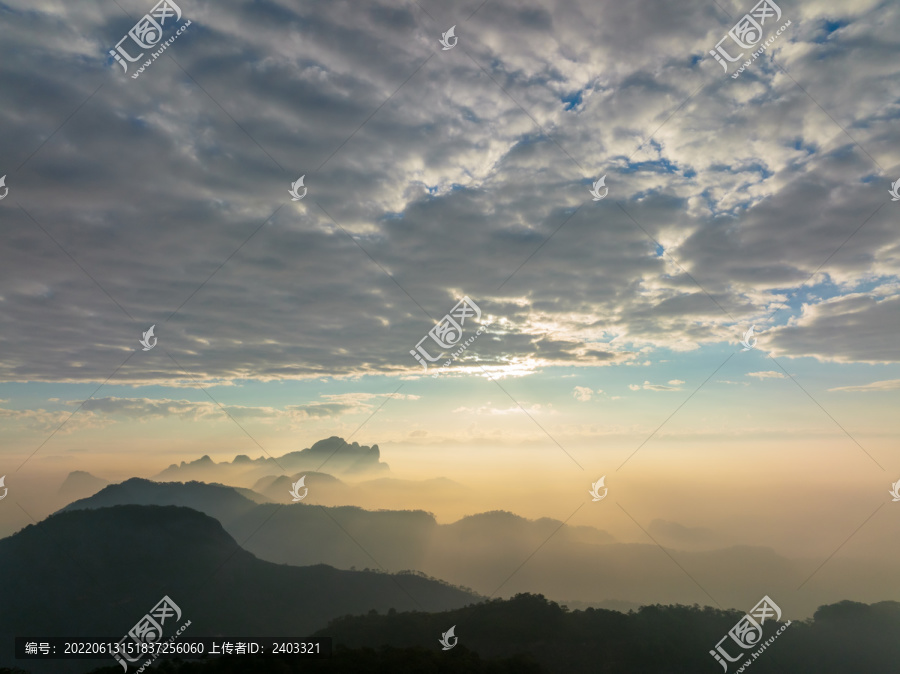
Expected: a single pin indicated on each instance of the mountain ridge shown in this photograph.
(342, 457)
(125, 558)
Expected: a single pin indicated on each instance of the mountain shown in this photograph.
(80, 484)
(384, 493)
(609, 604)
(843, 637)
(511, 526)
(335, 454)
(471, 550)
(530, 635)
(97, 572)
(223, 503)
(322, 487)
(343, 536)
(486, 552)
(340, 457)
(203, 468)
(294, 533)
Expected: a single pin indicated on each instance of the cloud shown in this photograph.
(582, 393)
(647, 386)
(768, 374)
(857, 327)
(149, 408)
(884, 385)
(46, 421)
(428, 180)
(145, 409)
(490, 410)
(345, 403)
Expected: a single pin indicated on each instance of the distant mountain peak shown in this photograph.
(81, 484)
(340, 455)
(331, 455)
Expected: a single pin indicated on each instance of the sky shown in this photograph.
(612, 328)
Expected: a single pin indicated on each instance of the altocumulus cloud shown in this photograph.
(47, 421)
(156, 408)
(150, 186)
(673, 385)
(767, 374)
(886, 385)
(582, 394)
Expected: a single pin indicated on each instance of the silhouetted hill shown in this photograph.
(341, 536)
(842, 638)
(96, 572)
(398, 539)
(80, 484)
(574, 562)
(216, 500)
(528, 634)
(296, 533)
(510, 526)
